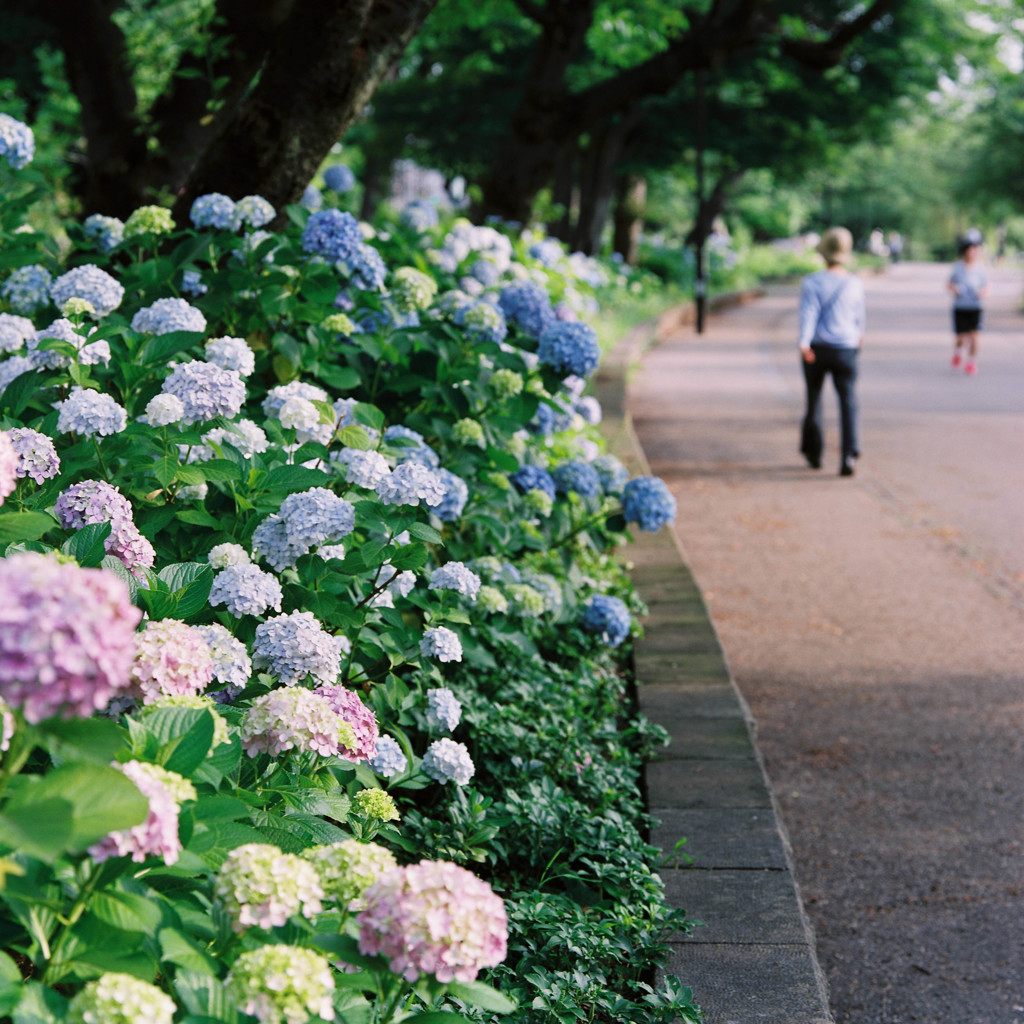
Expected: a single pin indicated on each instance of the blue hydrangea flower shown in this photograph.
(246, 590)
(312, 198)
(339, 177)
(589, 408)
(205, 390)
(108, 232)
(14, 332)
(37, 457)
(362, 468)
(254, 211)
(608, 617)
(534, 478)
(192, 283)
(89, 412)
(611, 472)
(90, 283)
(448, 761)
(444, 710)
(527, 305)
(12, 368)
(570, 348)
(483, 322)
(332, 234)
(293, 646)
(455, 497)
(456, 576)
(89, 353)
(278, 395)
(317, 516)
(215, 210)
(580, 477)
(486, 272)
(17, 143)
(167, 315)
(367, 268)
(416, 451)
(647, 501)
(27, 289)
(441, 643)
(543, 422)
(419, 216)
(546, 252)
(411, 483)
(271, 542)
(389, 759)
(231, 354)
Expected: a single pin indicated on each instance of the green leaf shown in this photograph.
(184, 737)
(39, 1004)
(198, 517)
(131, 912)
(425, 532)
(113, 564)
(341, 378)
(189, 584)
(369, 416)
(41, 830)
(479, 994)
(165, 469)
(412, 556)
(354, 437)
(87, 545)
(161, 348)
(81, 739)
(221, 469)
(436, 1017)
(294, 478)
(10, 984)
(18, 527)
(212, 809)
(17, 394)
(181, 950)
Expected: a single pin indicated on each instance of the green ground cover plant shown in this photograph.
(312, 690)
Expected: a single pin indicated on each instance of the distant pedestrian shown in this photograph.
(895, 246)
(831, 331)
(969, 284)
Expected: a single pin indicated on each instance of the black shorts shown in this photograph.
(966, 320)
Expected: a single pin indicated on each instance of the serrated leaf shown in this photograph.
(294, 478)
(128, 911)
(87, 545)
(88, 739)
(159, 349)
(19, 527)
(476, 993)
(412, 556)
(425, 532)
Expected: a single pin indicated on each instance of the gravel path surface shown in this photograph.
(875, 625)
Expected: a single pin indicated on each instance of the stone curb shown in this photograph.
(753, 960)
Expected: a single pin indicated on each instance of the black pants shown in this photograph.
(842, 364)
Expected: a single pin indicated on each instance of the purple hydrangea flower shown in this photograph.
(647, 501)
(367, 268)
(390, 759)
(243, 434)
(14, 332)
(527, 305)
(293, 646)
(215, 210)
(312, 198)
(419, 216)
(167, 315)
(362, 468)
(17, 143)
(611, 472)
(205, 390)
(192, 283)
(37, 457)
(441, 643)
(67, 636)
(534, 478)
(277, 396)
(332, 234)
(578, 477)
(164, 410)
(316, 516)
(89, 413)
(232, 666)
(444, 711)
(9, 464)
(608, 617)
(456, 576)
(448, 761)
(455, 497)
(170, 658)
(294, 718)
(90, 283)
(89, 353)
(570, 348)
(246, 590)
(347, 704)
(27, 289)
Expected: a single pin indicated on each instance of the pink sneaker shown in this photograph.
(970, 369)
(956, 359)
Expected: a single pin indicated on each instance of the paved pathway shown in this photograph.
(875, 625)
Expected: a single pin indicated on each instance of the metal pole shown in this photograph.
(700, 285)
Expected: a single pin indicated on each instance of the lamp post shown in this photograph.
(700, 284)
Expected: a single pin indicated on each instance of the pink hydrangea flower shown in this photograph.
(363, 721)
(295, 718)
(434, 918)
(170, 658)
(9, 462)
(158, 835)
(67, 636)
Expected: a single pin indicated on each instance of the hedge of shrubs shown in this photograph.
(313, 702)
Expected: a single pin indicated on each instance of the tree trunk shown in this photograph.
(629, 214)
(712, 207)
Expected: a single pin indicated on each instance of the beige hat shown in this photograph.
(836, 245)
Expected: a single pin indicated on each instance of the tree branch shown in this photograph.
(534, 11)
(824, 54)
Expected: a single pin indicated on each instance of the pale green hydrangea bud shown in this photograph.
(506, 384)
(339, 322)
(539, 501)
(375, 803)
(491, 600)
(467, 432)
(549, 589)
(348, 868)
(117, 998)
(178, 786)
(283, 982)
(412, 290)
(516, 446)
(149, 220)
(197, 701)
(77, 307)
(259, 885)
(500, 481)
(535, 386)
(525, 600)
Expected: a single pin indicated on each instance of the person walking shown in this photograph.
(832, 317)
(969, 284)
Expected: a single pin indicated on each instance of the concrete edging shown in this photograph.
(753, 961)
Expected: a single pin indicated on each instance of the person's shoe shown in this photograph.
(956, 360)
(813, 463)
(971, 368)
(848, 466)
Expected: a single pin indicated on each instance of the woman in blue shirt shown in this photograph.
(831, 331)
